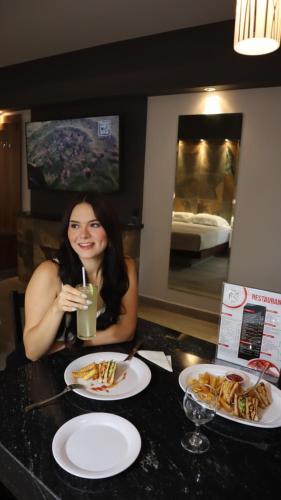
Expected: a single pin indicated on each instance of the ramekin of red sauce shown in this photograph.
(234, 377)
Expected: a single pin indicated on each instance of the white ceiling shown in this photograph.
(32, 29)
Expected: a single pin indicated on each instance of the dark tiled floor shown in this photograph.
(5, 494)
(204, 276)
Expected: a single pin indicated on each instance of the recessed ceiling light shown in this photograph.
(210, 89)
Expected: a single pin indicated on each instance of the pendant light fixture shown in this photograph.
(257, 26)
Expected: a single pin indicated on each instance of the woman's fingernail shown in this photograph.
(83, 295)
(89, 302)
(74, 309)
(84, 307)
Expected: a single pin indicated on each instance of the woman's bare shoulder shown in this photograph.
(48, 266)
(47, 271)
(130, 262)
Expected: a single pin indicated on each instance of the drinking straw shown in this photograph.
(83, 276)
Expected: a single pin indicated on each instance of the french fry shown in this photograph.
(225, 405)
(84, 369)
(213, 380)
(192, 381)
(86, 372)
(206, 396)
(219, 381)
(216, 384)
(204, 378)
(94, 373)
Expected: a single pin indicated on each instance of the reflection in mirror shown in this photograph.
(204, 201)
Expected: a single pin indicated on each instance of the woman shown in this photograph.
(91, 238)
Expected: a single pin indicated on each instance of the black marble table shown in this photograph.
(243, 462)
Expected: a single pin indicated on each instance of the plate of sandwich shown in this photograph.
(259, 408)
(106, 376)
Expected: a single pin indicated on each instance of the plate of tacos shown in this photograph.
(106, 376)
(260, 407)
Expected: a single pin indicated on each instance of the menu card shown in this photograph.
(250, 328)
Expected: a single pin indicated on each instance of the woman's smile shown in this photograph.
(86, 245)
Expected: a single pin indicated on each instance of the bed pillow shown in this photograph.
(209, 220)
(182, 216)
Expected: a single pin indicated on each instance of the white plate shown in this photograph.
(137, 377)
(96, 445)
(271, 416)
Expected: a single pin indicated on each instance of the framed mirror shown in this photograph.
(204, 200)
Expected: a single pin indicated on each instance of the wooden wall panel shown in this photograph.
(10, 188)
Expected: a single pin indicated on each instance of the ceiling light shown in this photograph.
(257, 26)
(210, 89)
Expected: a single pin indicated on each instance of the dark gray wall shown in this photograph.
(132, 111)
(173, 62)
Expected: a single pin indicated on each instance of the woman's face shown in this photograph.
(85, 233)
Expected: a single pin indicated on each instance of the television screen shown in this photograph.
(80, 154)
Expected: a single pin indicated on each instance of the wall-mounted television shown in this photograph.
(79, 154)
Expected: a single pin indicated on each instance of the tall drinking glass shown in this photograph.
(200, 408)
(87, 318)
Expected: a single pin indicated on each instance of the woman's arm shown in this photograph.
(46, 301)
(124, 329)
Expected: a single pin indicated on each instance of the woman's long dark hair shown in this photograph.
(114, 272)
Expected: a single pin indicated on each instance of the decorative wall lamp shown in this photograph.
(257, 26)
(4, 143)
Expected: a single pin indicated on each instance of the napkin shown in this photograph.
(159, 358)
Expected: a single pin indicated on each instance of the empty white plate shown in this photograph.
(96, 445)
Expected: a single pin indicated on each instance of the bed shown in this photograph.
(199, 235)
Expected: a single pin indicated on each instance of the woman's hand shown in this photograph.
(69, 299)
(124, 329)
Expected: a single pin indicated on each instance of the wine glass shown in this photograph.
(200, 408)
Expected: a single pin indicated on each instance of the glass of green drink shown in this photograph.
(87, 318)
